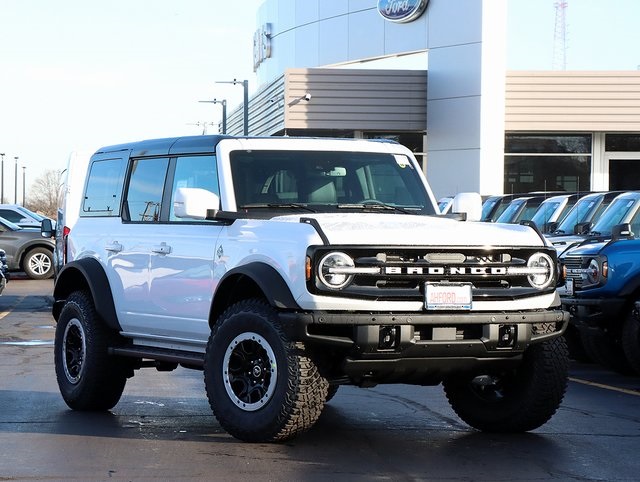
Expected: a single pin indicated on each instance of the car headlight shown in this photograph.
(336, 270)
(596, 272)
(541, 270)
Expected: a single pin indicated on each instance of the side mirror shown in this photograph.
(582, 228)
(193, 202)
(621, 231)
(469, 204)
(549, 227)
(46, 228)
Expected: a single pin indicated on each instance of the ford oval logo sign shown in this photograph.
(402, 11)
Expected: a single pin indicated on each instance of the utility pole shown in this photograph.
(24, 190)
(222, 102)
(2, 178)
(15, 183)
(245, 86)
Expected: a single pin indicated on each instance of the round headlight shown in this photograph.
(335, 270)
(541, 270)
(593, 272)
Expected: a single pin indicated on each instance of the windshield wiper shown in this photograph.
(303, 207)
(559, 231)
(375, 205)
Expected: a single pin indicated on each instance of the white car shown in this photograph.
(286, 267)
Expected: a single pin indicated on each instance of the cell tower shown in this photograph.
(560, 36)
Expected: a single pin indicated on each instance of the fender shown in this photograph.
(266, 278)
(630, 286)
(86, 273)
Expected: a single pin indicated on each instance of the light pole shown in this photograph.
(15, 183)
(2, 178)
(245, 86)
(24, 170)
(223, 102)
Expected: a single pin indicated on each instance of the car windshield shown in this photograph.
(325, 181)
(509, 214)
(580, 213)
(30, 214)
(545, 211)
(620, 210)
(487, 207)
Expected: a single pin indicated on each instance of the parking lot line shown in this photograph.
(606, 387)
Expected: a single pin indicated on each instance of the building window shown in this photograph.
(545, 162)
(622, 143)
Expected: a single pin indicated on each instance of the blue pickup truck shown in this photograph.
(602, 286)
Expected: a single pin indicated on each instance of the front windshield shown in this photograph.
(544, 212)
(509, 214)
(580, 213)
(619, 210)
(325, 181)
(487, 207)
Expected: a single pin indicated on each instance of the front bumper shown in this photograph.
(475, 334)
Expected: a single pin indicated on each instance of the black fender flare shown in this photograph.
(86, 273)
(265, 277)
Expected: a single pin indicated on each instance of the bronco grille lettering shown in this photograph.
(441, 270)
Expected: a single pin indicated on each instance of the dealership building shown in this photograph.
(432, 75)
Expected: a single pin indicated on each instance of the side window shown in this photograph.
(9, 215)
(104, 188)
(194, 171)
(144, 192)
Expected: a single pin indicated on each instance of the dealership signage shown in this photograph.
(261, 45)
(402, 11)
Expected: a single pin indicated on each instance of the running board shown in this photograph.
(160, 354)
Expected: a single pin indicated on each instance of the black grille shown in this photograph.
(403, 272)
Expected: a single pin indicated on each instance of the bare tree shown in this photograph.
(44, 194)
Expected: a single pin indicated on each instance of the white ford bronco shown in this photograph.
(287, 267)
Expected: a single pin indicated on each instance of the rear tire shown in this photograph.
(261, 386)
(515, 401)
(88, 377)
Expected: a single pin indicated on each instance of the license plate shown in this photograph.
(568, 287)
(445, 296)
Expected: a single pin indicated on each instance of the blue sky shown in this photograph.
(81, 74)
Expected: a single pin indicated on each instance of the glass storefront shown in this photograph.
(547, 162)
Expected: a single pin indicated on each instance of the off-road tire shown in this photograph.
(606, 351)
(631, 340)
(520, 400)
(38, 263)
(88, 377)
(261, 386)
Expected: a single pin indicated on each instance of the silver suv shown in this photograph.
(287, 267)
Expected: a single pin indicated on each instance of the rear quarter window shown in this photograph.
(104, 188)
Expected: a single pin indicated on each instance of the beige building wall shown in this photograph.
(569, 101)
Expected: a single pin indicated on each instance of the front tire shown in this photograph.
(88, 377)
(261, 386)
(631, 340)
(38, 263)
(516, 401)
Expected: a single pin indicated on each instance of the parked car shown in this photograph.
(602, 287)
(4, 270)
(552, 210)
(23, 217)
(582, 216)
(521, 209)
(27, 250)
(625, 208)
(494, 206)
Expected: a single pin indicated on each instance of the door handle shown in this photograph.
(162, 248)
(114, 247)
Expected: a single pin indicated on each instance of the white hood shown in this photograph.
(404, 229)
